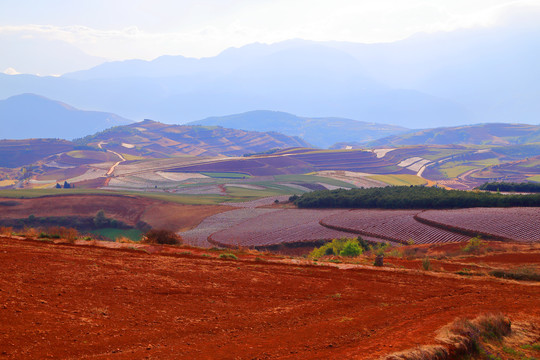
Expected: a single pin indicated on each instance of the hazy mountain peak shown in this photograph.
(34, 116)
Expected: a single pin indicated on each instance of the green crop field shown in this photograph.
(226, 175)
(399, 180)
(453, 172)
(33, 193)
(238, 192)
(313, 179)
(535, 178)
(112, 233)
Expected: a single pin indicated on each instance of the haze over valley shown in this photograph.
(285, 179)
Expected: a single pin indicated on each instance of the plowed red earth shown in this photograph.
(66, 302)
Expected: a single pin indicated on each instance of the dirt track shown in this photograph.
(61, 301)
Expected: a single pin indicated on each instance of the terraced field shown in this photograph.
(282, 226)
(199, 235)
(394, 225)
(520, 224)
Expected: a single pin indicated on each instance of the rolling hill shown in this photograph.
(428, 80)
(321, 132)
(154, 139)
(298, 77)
(15, 153)
(32, 116)
(480, 134)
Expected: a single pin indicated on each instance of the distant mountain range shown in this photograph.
(154, 139)
(480, 134)
(32, 116)
(431, 80)
(320, 132)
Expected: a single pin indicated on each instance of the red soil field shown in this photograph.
(66, 301)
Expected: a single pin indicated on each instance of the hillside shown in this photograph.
(480, 134)
(446, 79)
(32, 116)
(321, 132)
(154, 139)
(300, 77)
(16, 153)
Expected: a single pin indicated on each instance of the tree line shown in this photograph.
(410, 197)
(526, 187)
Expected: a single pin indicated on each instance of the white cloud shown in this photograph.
(204, 28)
(11, 71)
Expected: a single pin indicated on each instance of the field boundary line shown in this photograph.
(360, 232)
(457, 229)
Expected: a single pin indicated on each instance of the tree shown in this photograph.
(100, 220)
(58, 186)
(66, 185)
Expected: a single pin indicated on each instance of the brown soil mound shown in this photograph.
(129, 209)
(62, 301)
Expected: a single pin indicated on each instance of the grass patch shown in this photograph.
(535, 346)
(527, 273)
(313, 179)
(238, 192)
(228, 256)
(455, 171)
(401, 179)
(535, 178)
(130, 157)
(226, 175)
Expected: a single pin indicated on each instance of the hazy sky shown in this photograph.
(146, 29)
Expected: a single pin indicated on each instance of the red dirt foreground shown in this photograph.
(67, 301)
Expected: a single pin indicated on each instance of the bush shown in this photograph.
(60, 232)
(521, 273)
(351, 248)
(426, 264)
(30, 232)
(228, 256)
(165, 237)
(330, 248)
(5, 230)
(474, 246)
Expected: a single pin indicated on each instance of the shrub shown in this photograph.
(474, 246)
(335, 247)
(30, 232)
(379, 261)
(61, 232)
(426, 264)
(5, 230)
(351, 248)
(165, 237)
(519, 273)
(124, 240)
(228, 256)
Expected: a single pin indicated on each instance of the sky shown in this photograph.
(57, 36)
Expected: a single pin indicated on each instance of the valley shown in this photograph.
(270, 180)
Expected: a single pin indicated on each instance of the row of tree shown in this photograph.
(526, 187)
(413, 197)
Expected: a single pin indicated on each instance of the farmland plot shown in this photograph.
(394, 225)
(282, 226)
(520, 224)
(259, 202)
(199, 235)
